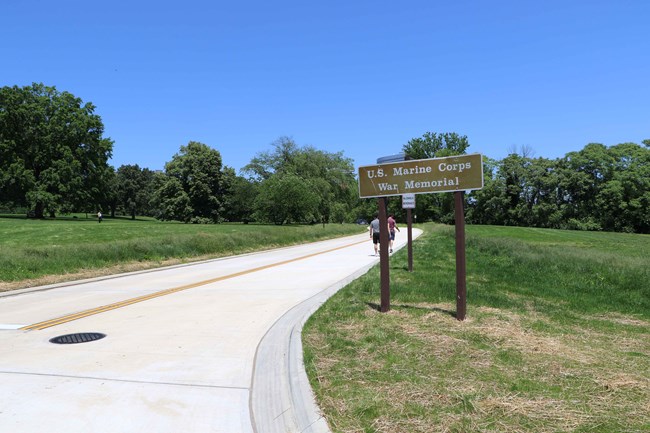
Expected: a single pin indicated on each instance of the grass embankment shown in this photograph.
(557, 338)
(36, 252)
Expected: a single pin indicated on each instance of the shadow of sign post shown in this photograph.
(455, 174)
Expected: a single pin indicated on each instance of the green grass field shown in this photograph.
(42, 251)
(557, 337)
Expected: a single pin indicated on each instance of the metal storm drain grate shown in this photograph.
(83, 337)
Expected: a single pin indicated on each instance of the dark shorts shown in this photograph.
(375, 238)
(392, 235)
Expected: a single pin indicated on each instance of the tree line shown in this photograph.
(54, 160)
(596, 188)
(290, 184)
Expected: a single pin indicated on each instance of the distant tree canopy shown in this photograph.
(239, 197)
(192, 189)
(53, 157)
(436, 145)
(302, 184)
(596, 188)
(436, 207)
(134, 189)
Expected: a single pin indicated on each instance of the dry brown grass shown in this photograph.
(452, 378)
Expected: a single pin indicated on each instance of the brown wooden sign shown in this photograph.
(453, 173)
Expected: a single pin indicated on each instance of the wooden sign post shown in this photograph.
(384, 268)
(461, 273)
(451, 174)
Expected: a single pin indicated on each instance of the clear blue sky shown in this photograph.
(362, 77)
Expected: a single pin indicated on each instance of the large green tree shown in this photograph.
(518, 190)
(606, 188)
(328, 176)
(239, 197)
(436, 145)
(436, 207)
(583, 174)
(171, 201)
(135, 186)
(52, 151)
(108, 197)
(596, 188)
(196, 171)
(489, 205)
(286, 198)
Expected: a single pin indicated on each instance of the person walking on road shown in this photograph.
(374, 233)
(392, 225)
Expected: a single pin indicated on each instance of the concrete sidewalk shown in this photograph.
(208, 347)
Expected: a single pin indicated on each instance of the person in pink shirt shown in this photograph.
(392, 225)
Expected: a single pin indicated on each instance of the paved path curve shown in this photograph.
(207, 347)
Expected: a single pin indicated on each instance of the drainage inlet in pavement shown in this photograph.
(83, 337)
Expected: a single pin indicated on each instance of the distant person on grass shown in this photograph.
(99, 217)
(374, 233)
(392, 225)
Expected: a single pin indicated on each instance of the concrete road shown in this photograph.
(206, 347)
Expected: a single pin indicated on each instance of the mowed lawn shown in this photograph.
(557, 337)
(44, 251)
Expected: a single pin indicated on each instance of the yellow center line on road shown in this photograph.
(97, 310)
